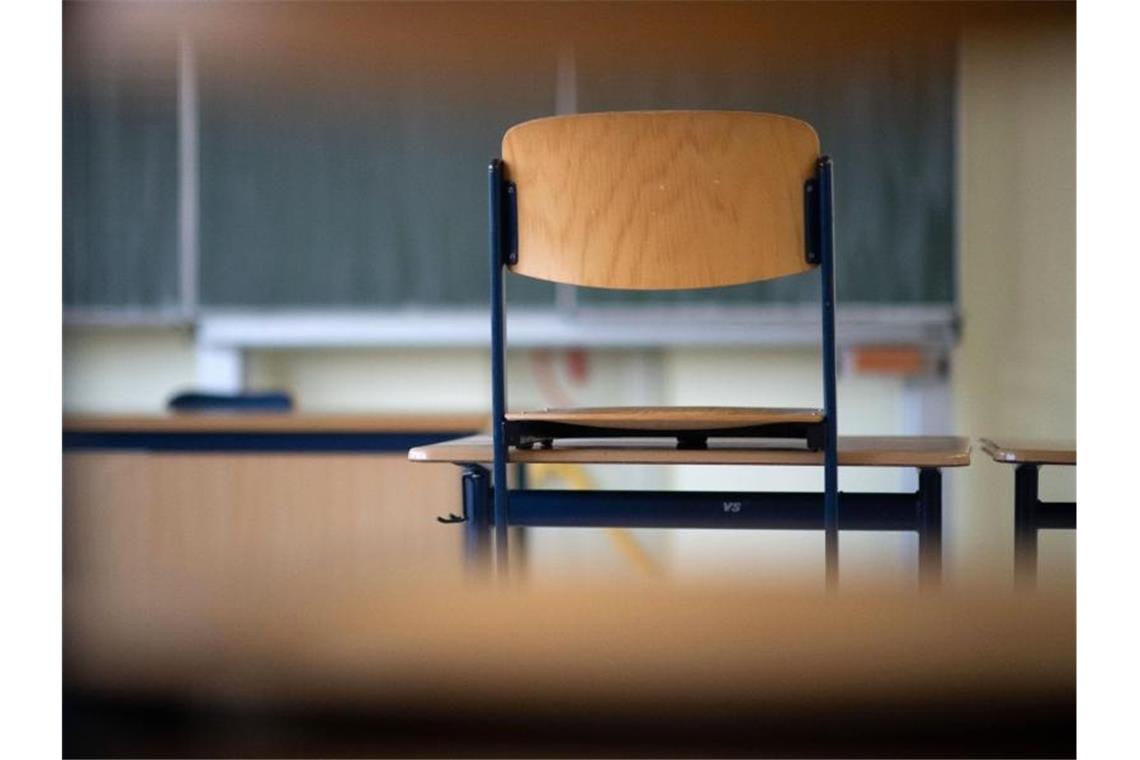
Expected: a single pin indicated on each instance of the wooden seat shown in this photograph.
(670, 417)
(691, 426)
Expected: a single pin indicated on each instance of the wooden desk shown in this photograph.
(440, 669)
(920, 512)
(185, 507)
(1030, 514)
(237, 431)
(854, 451)
(1030, 451)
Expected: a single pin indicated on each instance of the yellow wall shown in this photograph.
(125, 370)
(1015, 368)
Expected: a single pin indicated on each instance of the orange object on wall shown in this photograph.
(904, 361)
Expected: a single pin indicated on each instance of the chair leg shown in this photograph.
(500, 494)
(831, 536)
(519, 536)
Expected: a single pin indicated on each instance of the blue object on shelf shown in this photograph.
(268, 401)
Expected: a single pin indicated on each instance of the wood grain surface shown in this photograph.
(670, 417)
(600, 648)
(854, 451)
(242, 422)
(1029, 451)
(656, 200)
(198, 525)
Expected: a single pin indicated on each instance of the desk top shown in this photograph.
(1027, 451)
(654, 656)
(244, 422)
(854, 451)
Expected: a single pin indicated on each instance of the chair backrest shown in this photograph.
(660, 200)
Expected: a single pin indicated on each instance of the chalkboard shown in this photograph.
(357, 180)
(884, 114)
(120, 181)
(356, 197)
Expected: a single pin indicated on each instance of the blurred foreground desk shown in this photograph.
(453, 670)
(194, 505)
(920, 511)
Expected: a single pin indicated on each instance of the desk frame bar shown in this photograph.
(920, 511)
(709, 509)
(1030, 515)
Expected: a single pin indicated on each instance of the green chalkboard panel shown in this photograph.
(120, 181)
(356, 196)
(342, 148)
(884, 114)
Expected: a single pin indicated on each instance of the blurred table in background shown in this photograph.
(209, 505)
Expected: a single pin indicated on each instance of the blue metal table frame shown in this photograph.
(919, 512)
(1031, 515)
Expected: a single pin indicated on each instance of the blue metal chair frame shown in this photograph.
(522, 507)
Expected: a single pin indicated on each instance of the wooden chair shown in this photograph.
(662, 201)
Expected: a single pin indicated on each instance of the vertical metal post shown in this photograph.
(520, 539)
(831, 437)
(477, 530)
(188, 176)
(929, 529)
(498, 364)
(1025, 527)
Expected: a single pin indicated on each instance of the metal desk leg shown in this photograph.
(477, 531)
(1025, 527)
(929, 529)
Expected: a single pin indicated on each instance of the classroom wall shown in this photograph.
(1015, 368)
(125, 370)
